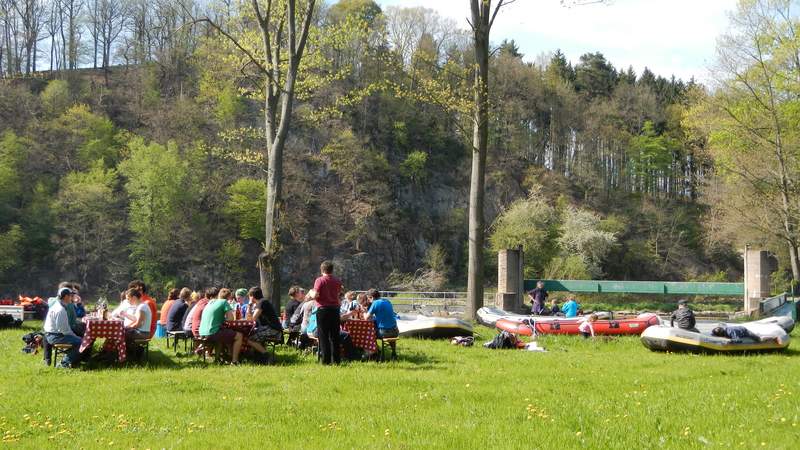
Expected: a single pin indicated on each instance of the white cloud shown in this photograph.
(668, 36)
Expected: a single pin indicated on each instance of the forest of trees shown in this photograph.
(138, 151)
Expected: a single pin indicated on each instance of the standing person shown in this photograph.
(684, 316)
(570, 308)
(327, 289)
(296, 294)
(538, 298)
(58, 331)
(587, 326)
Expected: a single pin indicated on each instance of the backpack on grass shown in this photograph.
(504, 339)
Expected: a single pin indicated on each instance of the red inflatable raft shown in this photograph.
(562, 325)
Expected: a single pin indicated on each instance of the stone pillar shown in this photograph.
(509, 280)
(757, 270)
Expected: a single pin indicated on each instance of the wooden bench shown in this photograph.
(178, 336)
(390, 342)
(59, 349)
(143, 344)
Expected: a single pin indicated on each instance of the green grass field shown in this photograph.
(582, 394)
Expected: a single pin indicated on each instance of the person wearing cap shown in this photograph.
(72, 312)
(684, 316)
(58, 331)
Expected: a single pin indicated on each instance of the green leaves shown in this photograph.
(245, 206)
(160, 195)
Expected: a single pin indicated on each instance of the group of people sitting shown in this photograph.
(313, 316)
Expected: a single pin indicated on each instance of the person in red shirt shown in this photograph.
(197, 312)
(327, 289)
(149, 301)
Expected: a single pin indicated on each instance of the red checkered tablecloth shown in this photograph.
(242, 326)
(363, 334)
(112, 331)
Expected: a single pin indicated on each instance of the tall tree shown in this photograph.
(483, 16)
(284, 27)
(752, 119)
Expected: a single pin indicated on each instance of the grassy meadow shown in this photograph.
(581, 394)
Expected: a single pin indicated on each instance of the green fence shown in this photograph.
(642, 287)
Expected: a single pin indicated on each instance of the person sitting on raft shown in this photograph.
(570, 308)
(587, 326)
(554, 310)
(684, 316)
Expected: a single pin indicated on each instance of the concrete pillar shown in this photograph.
(757, 270)
(509, 280)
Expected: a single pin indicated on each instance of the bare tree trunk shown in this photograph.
(482, 19)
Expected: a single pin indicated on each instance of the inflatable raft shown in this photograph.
(489, 316)
(411, 325)
(771, 337)
(785, 322)
(560, 325)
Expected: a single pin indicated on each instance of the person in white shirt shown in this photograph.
(587, 326)
(58, 331)
(137, 322)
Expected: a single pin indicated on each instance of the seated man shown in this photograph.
(268, 326)
(385, 320)
(212, 318)
(296, 296)
(58, 331)
(177, 311)
(684, 316)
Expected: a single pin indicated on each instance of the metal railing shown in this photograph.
(439, 300)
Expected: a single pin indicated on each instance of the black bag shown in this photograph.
(503, 340)
(8, 321)
(32, 342)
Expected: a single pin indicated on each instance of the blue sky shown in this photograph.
(668, 36)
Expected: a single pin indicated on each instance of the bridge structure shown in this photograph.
(511, 285)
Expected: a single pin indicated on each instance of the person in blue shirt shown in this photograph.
(570, 307)
(382, 313)
(385, 319)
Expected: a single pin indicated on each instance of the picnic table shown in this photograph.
(242, 326)
(363, 334)
(113, 331)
